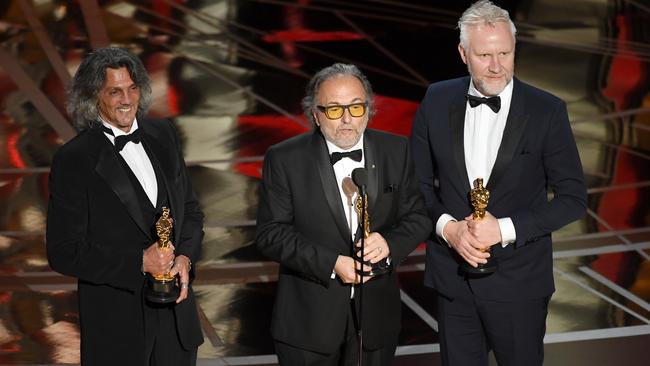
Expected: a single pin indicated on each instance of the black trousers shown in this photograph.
(470, 327)
(163, 347)
(347, 354)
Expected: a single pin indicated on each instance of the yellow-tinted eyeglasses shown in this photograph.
(336, 111)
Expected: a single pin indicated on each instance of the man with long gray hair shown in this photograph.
(493, 274)
(307, 222)
(108, 186)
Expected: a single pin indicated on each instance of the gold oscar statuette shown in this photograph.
(382, 266)
(162, 287)
(479, 197)
(359, 205)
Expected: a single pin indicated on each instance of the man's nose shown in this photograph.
(495, 64)
(346, 117)
(125, 98)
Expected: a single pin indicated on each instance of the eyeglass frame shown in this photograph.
(346, 107)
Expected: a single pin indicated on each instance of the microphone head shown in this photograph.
(349, 189)
(360, 177)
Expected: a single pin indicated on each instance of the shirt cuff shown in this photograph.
(440, 225)
(508, 233)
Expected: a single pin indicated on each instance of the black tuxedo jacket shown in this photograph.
(301, 224)
(537, 151)
(95, 232)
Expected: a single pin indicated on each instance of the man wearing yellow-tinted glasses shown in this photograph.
(307, 222)
(336, 111)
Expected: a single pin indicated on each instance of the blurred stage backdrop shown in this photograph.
(231, 74)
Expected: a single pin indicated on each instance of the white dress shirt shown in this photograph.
(138, 160)
(343, 168)
(482, 137)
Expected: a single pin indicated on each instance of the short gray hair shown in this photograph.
(483, 12)
(338, 69)
(91, 77)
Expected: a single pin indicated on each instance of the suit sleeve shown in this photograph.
(424, 161)
(276, 236)
(69, 249)
(192, 227)
(412, 226)
(561, 163)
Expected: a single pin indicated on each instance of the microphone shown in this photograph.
(349, 189)
(360, 178)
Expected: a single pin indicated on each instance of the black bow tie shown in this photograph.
(354, 155)
(122, 140)
(493, 102)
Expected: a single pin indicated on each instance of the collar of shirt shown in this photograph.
(333, 148)
(505, 95)
(344, 169)
(483, 133)
(117, 131)
(138, 161)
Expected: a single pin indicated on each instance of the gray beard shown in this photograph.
(481, 87)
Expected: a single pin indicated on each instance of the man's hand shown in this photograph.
(486, 230)
(346, 267)
(464, 243)
(376, 248)
(157, 261)
(182, 268)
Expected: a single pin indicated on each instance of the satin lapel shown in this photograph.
(112, 171)
(370, 157)
(158, 156)
(457, 126)
(328, 180)
(515, 127)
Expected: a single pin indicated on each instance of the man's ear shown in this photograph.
(463, 56)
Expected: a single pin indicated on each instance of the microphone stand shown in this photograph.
(351, 189)
(363, 245)
(360, 178)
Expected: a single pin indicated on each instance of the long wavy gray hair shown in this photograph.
(90, 78)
